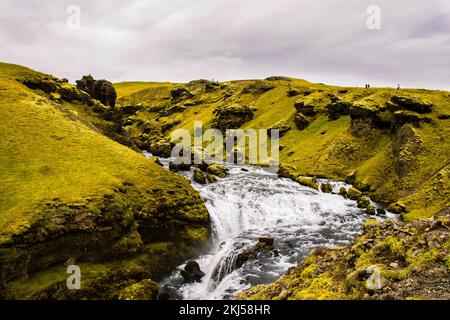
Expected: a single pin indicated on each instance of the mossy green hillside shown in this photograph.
(68, 191)
(397, 152)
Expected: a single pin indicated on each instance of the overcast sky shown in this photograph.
(179, 40)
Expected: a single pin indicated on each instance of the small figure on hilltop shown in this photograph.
(398, 87)
(101, 90)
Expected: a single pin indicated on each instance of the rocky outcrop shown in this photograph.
(161, 148)
(232, 116)
(307, 109)
(191, 272)
(413, 104)
(307, 182)
(398, 207)
(326, 187)
(391, 260)
(354, 194)
(263, 245)
(406, 146)
(301, 122)
(101, 90)
(217, 170)
(181, 93)
(337, 109)
(402, 117)
(199, 177)
(257, 87)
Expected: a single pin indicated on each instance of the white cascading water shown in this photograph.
(250, 203)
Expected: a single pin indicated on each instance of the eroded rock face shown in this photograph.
(263, 246)
(406, 145)
(161, 148)
(413, 104)
(232, 117)
(305, 108)
(101, 90)
(258, 87)
(301, 122)
(337, 109)
(181, 93)
(199, 177)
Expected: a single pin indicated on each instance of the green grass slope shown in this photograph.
(69, 192)
(396, 154)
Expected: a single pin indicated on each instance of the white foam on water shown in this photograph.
(254, 203)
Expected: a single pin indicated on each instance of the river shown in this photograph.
(252, 202)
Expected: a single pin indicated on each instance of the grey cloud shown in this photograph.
(179, 40)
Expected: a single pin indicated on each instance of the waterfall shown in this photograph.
(256, 203)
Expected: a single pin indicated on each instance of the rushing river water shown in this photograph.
(250, 203)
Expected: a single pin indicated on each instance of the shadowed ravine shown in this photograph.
(256, 203)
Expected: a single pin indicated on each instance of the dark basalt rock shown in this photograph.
(277, 78)
(161, 148)
(131, 109)
(305, 109)
(293, 92)
(258, 87)
(191, 272)
(231, 117)
(199, 177)
(337, 109)
(101, 90)
(179, 167)
(326, 187)
(46, 85)
(301, 122)
(181, 93)
(413, 104)
(402, 117)
(264, 244)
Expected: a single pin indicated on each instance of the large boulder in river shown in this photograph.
(217, 170)
(161, 148)
(191, 272)
(354, 194)
(397, 207)
(199, 177)
(101, 90)
(326, 187)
